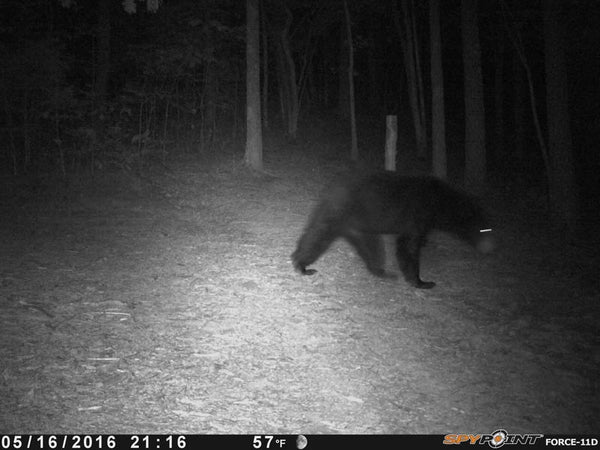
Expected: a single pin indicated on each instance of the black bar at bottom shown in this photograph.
(295, 441)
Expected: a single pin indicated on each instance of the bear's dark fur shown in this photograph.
(387, 203)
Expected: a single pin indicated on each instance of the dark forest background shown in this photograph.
(94, 85)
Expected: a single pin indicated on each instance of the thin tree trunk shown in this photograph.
(515, 37)
(560, 146)
(499, 153)
(265, 71)
(103, 43)
(372, 68)
(354, 149)
(305, 69)
(438, 121)
(290, 77)
(26, 127)
(343, 89)
(518, 110)
(10, 128)
(253, 156)
(474, 108)
(310, 86)
(100, 82)
(422, 129)
(410, 50)
(281, 82)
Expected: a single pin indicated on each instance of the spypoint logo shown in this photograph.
(496, 439)
(499, 438)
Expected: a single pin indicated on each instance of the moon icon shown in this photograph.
(301, 442)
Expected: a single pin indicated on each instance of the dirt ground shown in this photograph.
(167, 303)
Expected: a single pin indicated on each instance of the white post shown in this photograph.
(391, 138)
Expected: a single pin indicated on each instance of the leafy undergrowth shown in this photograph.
(168, 303)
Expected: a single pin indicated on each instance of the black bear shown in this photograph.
(387, 203)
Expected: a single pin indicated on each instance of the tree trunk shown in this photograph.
(422, 128)
(474, 109)
(410, 50)
(499, 153)
(518, 110)
(103, 58)
(373, 68)
(265, 71)
(514, 36)
(253, 156)
(354, 148)
(438, 122)
(303, 83)
(289, 77)
(343, 89)
(560, 146)
(281, 82)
